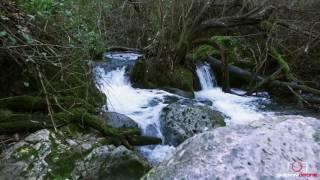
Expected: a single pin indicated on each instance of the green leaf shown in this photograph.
(27, 37)
(13, 41)
(3, 33)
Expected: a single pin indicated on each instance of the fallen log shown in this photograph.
(247, 77)
(264, 81)
(312, 99)
(39, 103)
(122, 48)
(234, 71)
(12, 123)
(144, 140)
(253, 17)
(294, 86)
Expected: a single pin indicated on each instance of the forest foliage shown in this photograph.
(46, 44)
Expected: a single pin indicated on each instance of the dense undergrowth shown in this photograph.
(45, 45)
(263, 37)
(46, 81)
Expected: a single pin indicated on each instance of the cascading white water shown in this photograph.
(238, 109)
(142, 105)
(206, 77)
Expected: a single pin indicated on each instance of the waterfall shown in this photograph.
(144, 106)
(238, 109)
(206, 77)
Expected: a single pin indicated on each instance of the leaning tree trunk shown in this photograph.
(191, 38)
(201, 26)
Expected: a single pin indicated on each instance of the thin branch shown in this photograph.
(253, 17)
(47, 98)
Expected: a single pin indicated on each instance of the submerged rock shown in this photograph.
(179, 92)
(48, 155)
(117, 120)
(184, 119)
(269, 149)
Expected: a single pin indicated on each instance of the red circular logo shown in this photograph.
(296, 166)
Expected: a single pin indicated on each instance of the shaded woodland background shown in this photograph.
(46, 45)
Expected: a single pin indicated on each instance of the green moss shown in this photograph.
(234, 49)
(280, 60)
(182, 78)
(217, 117)
(220, 121)
(38, 103)
(24, 153)
(72, 130)
(103, 141)
(160, 76)
(125, 168)
(61, 161)
(203, 51)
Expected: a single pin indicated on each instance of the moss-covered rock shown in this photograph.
(186, 118)
(161, 76)
(109, 162)
(49, 155)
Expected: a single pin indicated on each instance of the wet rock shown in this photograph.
(29, 159)
(151, 130)
(47, 155)
(113, 60)
(109, 162)
(262, 150)
(186, 118)
(179, 92)
(117, 120)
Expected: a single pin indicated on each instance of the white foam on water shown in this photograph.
(158, 153)
(129, 56)
(142, 105)
(238, 109)
(206, 76)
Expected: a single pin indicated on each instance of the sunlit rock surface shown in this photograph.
(264, 149)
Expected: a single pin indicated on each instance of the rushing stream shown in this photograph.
(238, 109)
(144, 106)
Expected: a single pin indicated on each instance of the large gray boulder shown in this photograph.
(48, 155)
(279, 148)
(184, 119)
